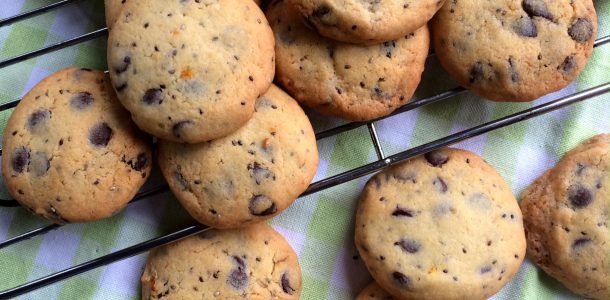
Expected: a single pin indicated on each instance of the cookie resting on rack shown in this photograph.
(514, 50)
(70, 151)
(444, 225)
(190, 71)
(374, 292)
(250, 175)
(250, 263)
(345, 80)
(365, 22)
(566, 214)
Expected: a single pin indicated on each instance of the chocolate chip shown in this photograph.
(123, 66)
(238, 277)
(180, 179)
(436, 158)
(100, 134)
(259, 172)
(440, 185)
(476, 72)
(261, 205)
(524, 26)
(581, 31)
(286, 285)
(581, 242)
(579, 196)
(179, 126)
(140, 162)
(512, 70)
(39, 164)
(81, 100)
(568, 64)
(485, 269)
(153, 96)
(410, 246)
(38, 117)
(402, 212)
(20, 158)
(388, 48)
(320, 11)
(537, 8)
(401, 279)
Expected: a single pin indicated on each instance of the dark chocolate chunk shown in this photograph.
(179, 126)
(485, 269)
(436, 158)
(476, 73)
(20, 158)
(408, 245)
(512, 70)
(581, 242)
(525, 26)
(124, 65)
(153, 96)
(180, 179)
(100, 134)
(401, 279)
(320, 11)
(259, 172)
(579, 196)
(568, 65)
(581, 31)
(81, 100)
(286, 285)
(261, 205)
(537, 8)
(38, 117)
(238, 277)
(440, 185)
(140, 162)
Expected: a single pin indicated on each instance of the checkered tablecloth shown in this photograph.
(320, 226)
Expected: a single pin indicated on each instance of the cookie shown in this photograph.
(250, 263)
(349, 81)
(440, 226)
(250, 175)
(566, 219)
(365, 22)
(112, 8)
(187, 89)
(70, 152)
(514, 50)
(374, 292)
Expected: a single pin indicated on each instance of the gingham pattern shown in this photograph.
(320, 226)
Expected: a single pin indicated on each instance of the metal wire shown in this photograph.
(326, 183)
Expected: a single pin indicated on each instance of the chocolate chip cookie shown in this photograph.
(374, 292)
(514, 50)
(249, 175)
(190, 71)
(70, 151)
(250, 263)
(365, 22)
(444, 225)
(345, 80)
(566, 214)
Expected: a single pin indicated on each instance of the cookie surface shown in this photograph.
(250, 263)
(187, 89)
(368, 22)
(345, 80)
(566, 219)
(112, 9)
(514, 50)
(374, 292)
(249, 175)
(71, 153)
(440, 226)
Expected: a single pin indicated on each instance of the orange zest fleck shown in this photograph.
(186, 73)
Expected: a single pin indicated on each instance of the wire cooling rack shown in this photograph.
(382, 160)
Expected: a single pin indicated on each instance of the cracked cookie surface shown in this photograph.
(250, 175)
(365, 22)
(187, 89)
(444, 225)
(514, 50)
(345, 80)
(71, 153)
(255, 262)
(566, 214)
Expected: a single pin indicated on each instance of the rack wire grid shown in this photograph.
(360, 171)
